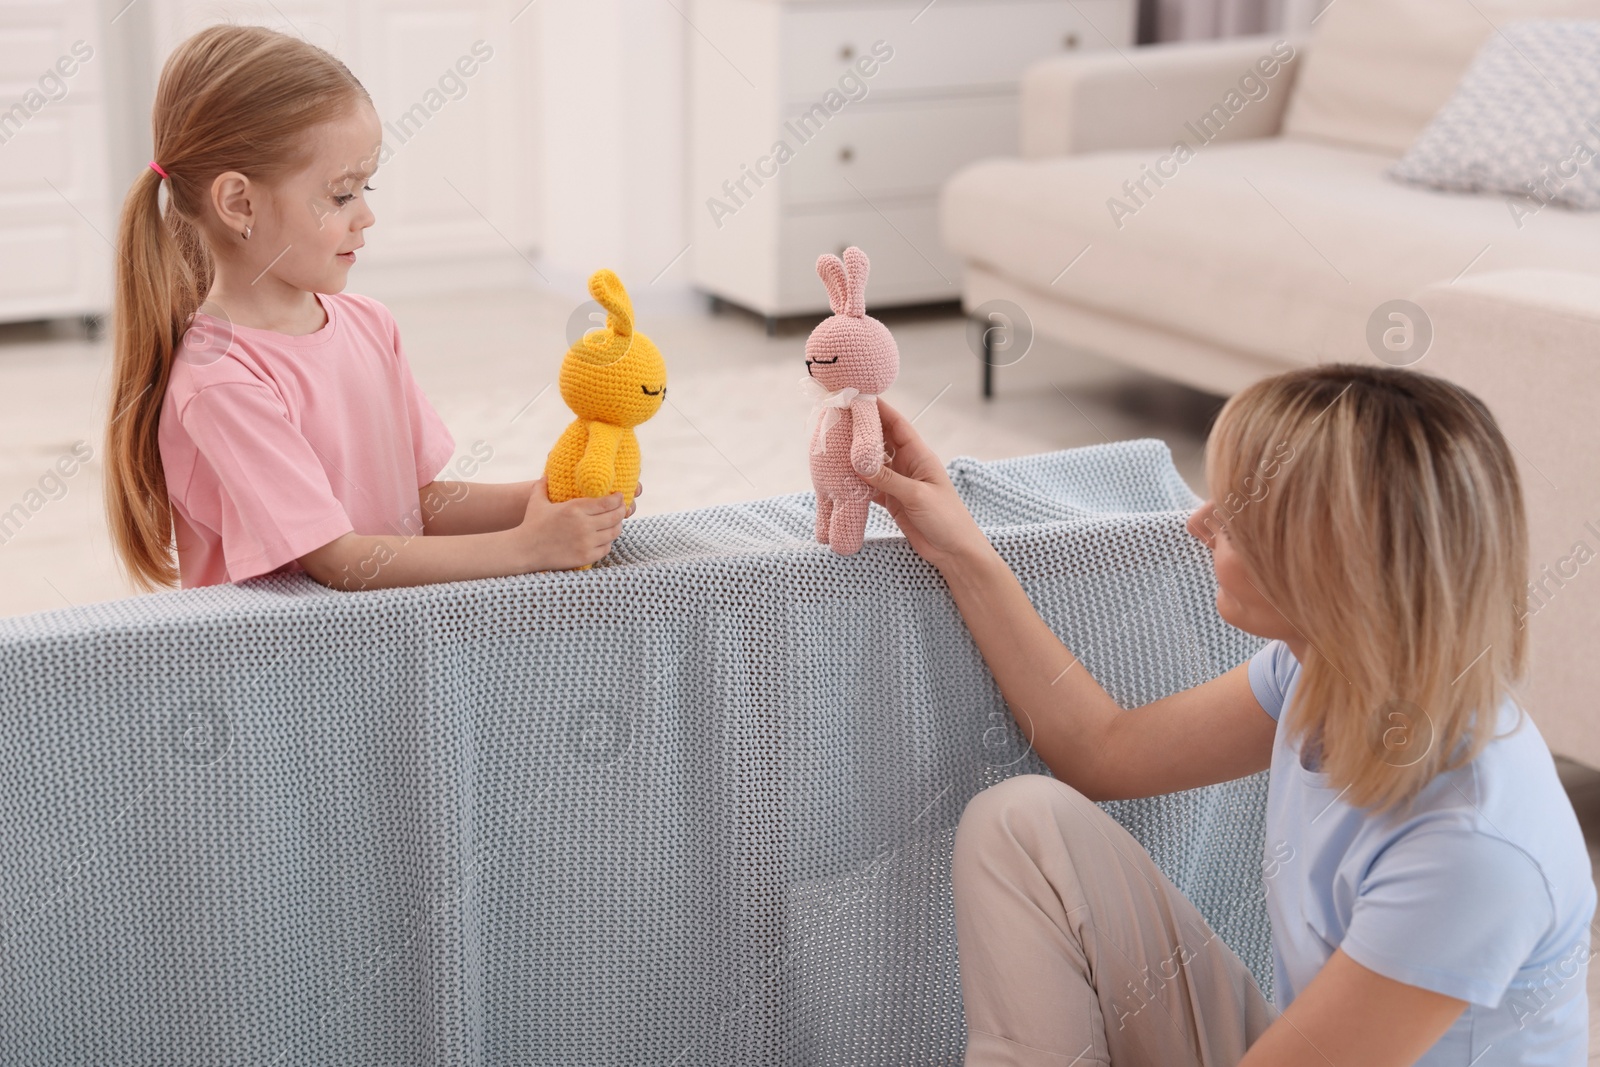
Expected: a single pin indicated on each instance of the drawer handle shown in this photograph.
(1070, 41)
(847, 52)
(846, 154)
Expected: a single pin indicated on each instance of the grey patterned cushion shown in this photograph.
(1525, 120)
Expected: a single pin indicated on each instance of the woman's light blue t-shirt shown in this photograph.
(1481, 890)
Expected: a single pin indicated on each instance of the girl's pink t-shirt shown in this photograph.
(274, 444)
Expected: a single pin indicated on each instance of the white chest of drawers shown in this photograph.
(815, 125)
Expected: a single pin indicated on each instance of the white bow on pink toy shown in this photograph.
(825, 409)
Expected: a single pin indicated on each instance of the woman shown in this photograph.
(1427, 881)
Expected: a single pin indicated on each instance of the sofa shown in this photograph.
(1273, 238)
(693, 806)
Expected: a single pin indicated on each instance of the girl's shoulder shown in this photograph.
(362, 307)
(208, 354)
(365, 321)
(368, 322)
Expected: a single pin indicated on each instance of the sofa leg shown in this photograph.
(988, 366)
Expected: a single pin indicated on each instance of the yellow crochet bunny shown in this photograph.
(613, 379)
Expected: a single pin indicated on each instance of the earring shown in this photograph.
(247, 233)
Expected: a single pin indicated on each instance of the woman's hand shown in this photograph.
(913, 485)
(569, 534)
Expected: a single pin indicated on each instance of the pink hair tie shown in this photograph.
(157, 166)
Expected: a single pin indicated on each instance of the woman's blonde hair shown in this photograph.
(1379, 511)
(231, 97)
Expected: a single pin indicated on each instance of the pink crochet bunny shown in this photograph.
(850, 358)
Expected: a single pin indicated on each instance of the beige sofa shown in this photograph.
(1275, 238)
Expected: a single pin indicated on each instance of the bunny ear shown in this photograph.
(832, 273)
(856, 267)
(607, 290)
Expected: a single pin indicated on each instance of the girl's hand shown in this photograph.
(635, 505)
(570, 534)
(913, 485)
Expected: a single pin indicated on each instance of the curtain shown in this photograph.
(1185, 20)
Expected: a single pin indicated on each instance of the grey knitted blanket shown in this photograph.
(693, 806)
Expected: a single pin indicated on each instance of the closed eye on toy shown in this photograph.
(835, 359)
(658, 392)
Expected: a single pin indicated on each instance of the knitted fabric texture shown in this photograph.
(613, 379)
(848, 350)
(694, 806)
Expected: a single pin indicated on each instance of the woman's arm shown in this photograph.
(1210, 733)
(1065, 714)
(1349, 1014)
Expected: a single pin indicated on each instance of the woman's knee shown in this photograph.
(1024, 792)
(997, 814)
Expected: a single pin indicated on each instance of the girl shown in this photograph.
(281, 428)
(1426, 878)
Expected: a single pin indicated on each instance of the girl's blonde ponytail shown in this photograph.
(158, 287)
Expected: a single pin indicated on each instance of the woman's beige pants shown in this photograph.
(1076, 949)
